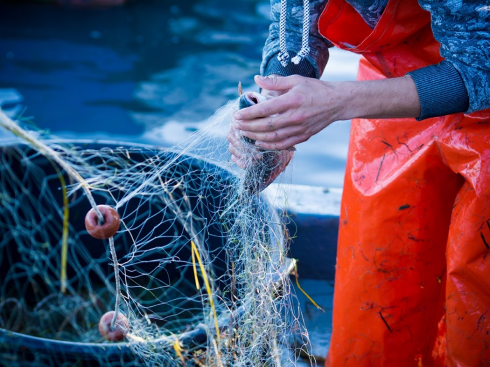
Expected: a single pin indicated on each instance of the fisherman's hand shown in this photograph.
(308, 105)
(243, 153)
(303, 108)
(268, 93)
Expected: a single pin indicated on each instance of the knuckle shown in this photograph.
(302, 98)
(278, 146)
(273, 137)
(296, 117)
(296, 99)
(250, 136)
(302, 116)
(234, 151)
(264, 110)
(270, 125)
(231, 136)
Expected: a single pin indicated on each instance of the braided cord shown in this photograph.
(283, 55)
(305, 48)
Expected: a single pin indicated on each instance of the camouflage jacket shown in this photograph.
(462, 29)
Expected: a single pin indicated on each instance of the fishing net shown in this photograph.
(196, 273)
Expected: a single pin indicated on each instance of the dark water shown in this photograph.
(152, 71)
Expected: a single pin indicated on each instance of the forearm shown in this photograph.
(387, 98)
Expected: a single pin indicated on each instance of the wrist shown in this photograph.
(340, 97)
(386, 98)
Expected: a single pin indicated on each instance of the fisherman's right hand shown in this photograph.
(272, 93)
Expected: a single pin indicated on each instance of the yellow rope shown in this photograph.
(301, 289)
(178, 351)
(194, 267)
(208, 288)
(64, 237)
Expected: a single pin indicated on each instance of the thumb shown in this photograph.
(279, 83)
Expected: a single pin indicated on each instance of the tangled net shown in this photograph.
(196, 274)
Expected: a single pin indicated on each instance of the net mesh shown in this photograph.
(198, 266)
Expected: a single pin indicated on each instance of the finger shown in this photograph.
(278, 83)
(234, 138)
(271, 93)
(274, 136)
(244, 150)
(246, 162)
(270, 107)
(235, 151)
(270, 123)
(240, 163)
(284, 144)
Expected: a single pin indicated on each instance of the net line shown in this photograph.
(202, 262)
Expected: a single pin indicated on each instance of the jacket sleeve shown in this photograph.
(461, 83)
(314, 63)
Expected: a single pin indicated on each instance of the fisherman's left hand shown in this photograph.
(304, 108)
(243, 154)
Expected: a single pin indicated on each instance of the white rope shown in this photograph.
(283, 55)
(118, 281)
(305, 48)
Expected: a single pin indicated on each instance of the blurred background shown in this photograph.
(146, 71)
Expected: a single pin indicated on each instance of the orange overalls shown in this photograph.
(412, 284)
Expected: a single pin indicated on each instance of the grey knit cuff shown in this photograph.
(441, 90)
(304, 68)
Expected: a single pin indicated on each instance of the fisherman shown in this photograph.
(412, 284)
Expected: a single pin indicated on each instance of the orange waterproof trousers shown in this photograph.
(412, 284)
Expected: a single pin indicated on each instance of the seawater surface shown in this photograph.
(149, 72)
